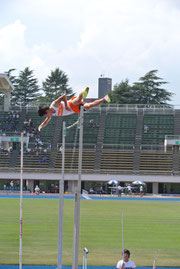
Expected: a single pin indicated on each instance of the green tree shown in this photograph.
(26, 88)
(122, 93)
(149, 90)
(55, 85)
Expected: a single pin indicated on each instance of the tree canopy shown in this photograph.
(26, 88)
(55, 85)
(122, 93)
(148, 90)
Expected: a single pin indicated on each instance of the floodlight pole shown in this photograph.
(61, 201)
(21, 200)
(77, 198)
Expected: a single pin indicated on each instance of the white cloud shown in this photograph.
(121, 38)
(12, 43)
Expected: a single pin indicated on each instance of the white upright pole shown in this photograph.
(122, 239)
(61, 201)
(21, 200)
(154, 263)
(77, 199)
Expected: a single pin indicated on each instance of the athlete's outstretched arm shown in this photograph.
(44, 123)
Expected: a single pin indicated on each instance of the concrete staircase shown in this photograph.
(176, 153)
(138, 141)
(177, 122)
(100, 139)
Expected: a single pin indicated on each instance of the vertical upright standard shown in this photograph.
(21, 200)
(122, 238)
(85, 253)
(78, 197)
(61, 201)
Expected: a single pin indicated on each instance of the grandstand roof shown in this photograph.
(5, 84)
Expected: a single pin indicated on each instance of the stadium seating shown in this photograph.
(120, 128)
(4, 160)
(47, 133)
(90, 132)
(117, 161)
(116, 148)
(155, 127)
(34, 162)
(71, 160)
(156, 163)
(8, 121)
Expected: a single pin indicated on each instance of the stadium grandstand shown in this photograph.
(122, 142)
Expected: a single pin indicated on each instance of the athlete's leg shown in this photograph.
(106, 99)
(81, 96)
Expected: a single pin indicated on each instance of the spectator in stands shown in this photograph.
(141, 191)
(10, 149)
(28, 150)
(129, 189)
(102, 190)
(146, 128)
(91, 191)
(25, 122)
(56, 189)
(119, 190)
(92, 124)
(126, 263)
(62, 107)
(37, 190)
(12, 186)
(44, 159)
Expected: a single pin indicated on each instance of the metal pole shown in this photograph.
(84, 260)
(61, 201)
(21, 200)
(85, 253)
(77, 198)
(154, 263)
(122, 239)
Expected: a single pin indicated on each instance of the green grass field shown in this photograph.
(151, 229)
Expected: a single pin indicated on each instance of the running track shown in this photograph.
(42, 196)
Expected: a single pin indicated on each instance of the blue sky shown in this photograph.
(86, 38)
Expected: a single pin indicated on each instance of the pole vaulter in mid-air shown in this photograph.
(63, 107)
